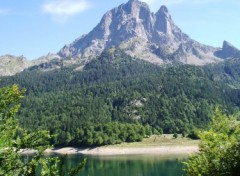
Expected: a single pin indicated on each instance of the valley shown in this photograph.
(136, 84)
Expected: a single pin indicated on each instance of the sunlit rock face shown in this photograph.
(142, 34)
(138, 32)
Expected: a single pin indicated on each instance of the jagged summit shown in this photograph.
(10, 65)
(116, 26)
(163, 9)
(228, 51)
(136, 3)
(140, 33)
(227, 45)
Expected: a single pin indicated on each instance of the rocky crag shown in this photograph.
(137, 31)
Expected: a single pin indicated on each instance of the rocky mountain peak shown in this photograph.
(133, 28)
(164, 21)
(136, 31)
(163, 10)
(129, 20)
(227, 45)
(228, 51)
(136, 3)
(135, 8)
(10, 65)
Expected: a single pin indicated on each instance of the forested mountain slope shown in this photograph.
(115, 93)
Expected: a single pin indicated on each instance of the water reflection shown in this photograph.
(132, 165)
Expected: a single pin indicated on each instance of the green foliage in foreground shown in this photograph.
(13, 138)
(219, 149)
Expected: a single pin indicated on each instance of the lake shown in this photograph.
(130, 165)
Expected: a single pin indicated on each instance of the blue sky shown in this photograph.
(34, 28)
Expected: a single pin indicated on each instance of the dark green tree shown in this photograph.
(219, 149)
(13, 139)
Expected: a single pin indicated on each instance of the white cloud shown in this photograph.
(61, 10)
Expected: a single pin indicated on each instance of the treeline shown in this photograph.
(118, 88)
(102, 134)
(109, 67)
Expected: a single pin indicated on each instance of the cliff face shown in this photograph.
(10, 65)
(143, 34)
(228, 51)
(137, 31)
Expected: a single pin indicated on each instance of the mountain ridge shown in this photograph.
(137, 31)
(140, 33)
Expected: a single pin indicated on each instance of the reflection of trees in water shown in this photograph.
(128, 165)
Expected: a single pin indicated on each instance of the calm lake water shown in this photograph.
(132, 165)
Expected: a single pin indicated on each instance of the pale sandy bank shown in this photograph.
(161, 150)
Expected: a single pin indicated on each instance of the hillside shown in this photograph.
(134, 74)
(115, 89)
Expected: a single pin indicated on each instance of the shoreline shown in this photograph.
(108, 151)
(154, 145)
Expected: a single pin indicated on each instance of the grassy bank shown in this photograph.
(160, 140)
